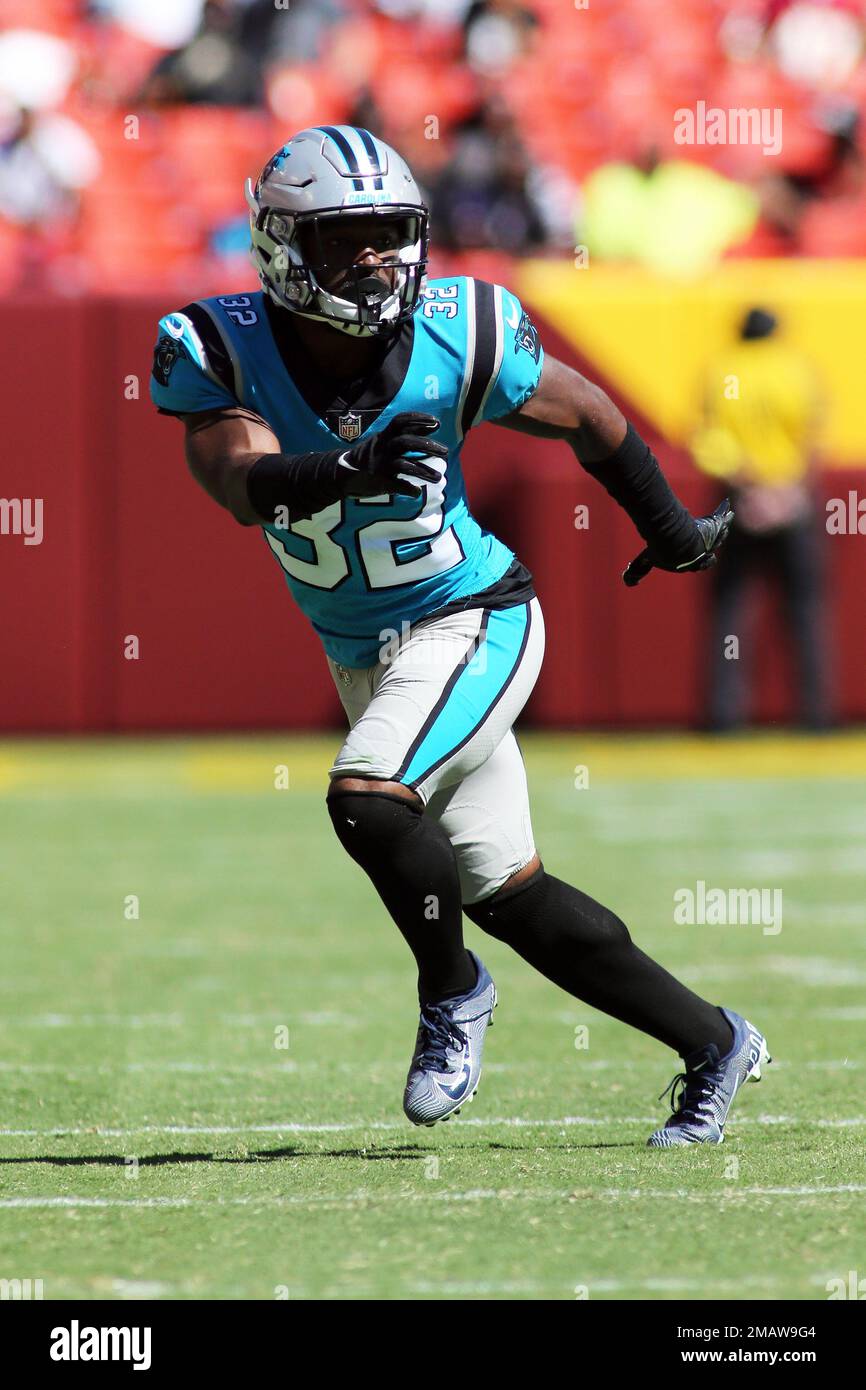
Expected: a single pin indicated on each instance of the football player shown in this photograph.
(329, 408)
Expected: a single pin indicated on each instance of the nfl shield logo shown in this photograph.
(349, 426)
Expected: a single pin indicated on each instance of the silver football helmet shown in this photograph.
(302, 242)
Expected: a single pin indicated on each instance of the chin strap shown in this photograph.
(370, 288)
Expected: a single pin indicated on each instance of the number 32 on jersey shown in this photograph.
(391, 551)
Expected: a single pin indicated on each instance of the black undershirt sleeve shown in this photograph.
(301, 484)
(633, 478)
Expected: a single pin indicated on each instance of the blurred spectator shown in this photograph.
(816, 42)
(674, 216)
(213, 68)
(488, 194)
(295, 32)
(36, 69)
(45, 160)
(439, 12)
(497, 33)
(761, 408)
(835, 172)
(366, 112)
(163, 25)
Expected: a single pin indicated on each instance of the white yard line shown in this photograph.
(227, 1069)
(175, 1020)
(472, 1195)
(142, 1288)
(132, 1068)
(393, 1126)
(87, 1020)
(296, 1127)
(468, 1287)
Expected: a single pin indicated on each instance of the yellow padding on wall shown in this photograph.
(652, 337)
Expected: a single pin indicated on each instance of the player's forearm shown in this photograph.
(221, 448)
(598, 427)
(225, 480)
(610, 449)
(285, 488)
(633, 478)
(260, 486)
(273, 488)
(282, 488)
(567, 406)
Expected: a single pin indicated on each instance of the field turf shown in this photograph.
(158, 1139)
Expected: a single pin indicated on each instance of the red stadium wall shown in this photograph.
(132, 548)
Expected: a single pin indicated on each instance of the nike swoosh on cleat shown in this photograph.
(459, 1088)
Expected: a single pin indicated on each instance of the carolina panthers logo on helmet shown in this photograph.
(527, 337)
(165, 354)
(273, 163)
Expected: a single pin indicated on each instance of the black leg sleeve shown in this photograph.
(410, 862)
(585, 949)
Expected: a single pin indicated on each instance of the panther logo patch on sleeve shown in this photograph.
(527, 337)
(165, 354)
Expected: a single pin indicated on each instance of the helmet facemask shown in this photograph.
(311, 266)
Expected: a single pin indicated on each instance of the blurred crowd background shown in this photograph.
(127, 127)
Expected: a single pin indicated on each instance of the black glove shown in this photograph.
(302, 484)
(379, 463)
(712, 531)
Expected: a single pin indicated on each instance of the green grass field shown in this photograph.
(155, 1141)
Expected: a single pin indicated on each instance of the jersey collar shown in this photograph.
(366, 396)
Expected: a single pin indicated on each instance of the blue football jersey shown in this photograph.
(363, 568)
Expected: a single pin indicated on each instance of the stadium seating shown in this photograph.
(593, 85)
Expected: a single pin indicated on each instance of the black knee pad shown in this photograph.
(368, 823)
(543, 905)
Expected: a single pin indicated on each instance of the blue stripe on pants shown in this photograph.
(478, 686)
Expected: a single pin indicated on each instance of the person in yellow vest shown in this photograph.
(760, 411)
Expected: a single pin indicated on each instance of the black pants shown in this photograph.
(791, 558)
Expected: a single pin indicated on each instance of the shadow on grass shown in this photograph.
(399, 1151)
(410, 1152)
